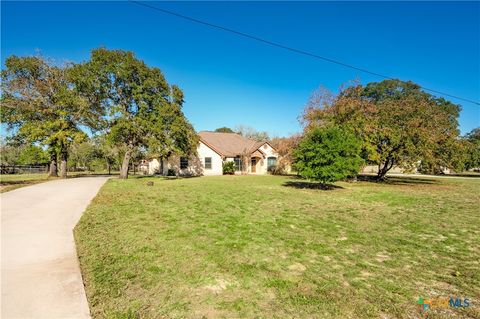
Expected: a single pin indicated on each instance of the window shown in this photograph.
(183, 162)
(238, 163)
(271, 162)
(208, 163)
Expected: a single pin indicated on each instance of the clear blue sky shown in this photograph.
(230, 80)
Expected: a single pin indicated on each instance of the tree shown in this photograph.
(284, 147)
(10, 154)
(107, 151)
(141, 111)
(33, 154)
(40, 106)
(251, 133)
(224, 129)
(398, 123)
(82, 155)
(172, 133)
(472, 149)
(328, 154)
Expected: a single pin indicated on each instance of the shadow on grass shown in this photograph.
(470, 174)
(311, 185)
(397, 180)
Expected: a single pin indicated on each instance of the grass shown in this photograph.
(10, 182)
(13, 181)
(275, 247)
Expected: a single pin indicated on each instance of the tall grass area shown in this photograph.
(275, 247)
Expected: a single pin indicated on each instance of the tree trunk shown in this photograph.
(63, 164)
(125, 164)
(109, 168)
(383, 170)
(53, 165)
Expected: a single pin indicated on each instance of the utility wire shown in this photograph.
(278, 45)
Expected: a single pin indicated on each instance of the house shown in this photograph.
(214, 148)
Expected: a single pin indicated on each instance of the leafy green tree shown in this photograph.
(33, 154)
(171, 133)
(398, 123)
(224, 129)
(10, 154)
(472, 149)
(83, 154)
(108, 152)
(141, 111)
(40, 106)
(328, 154)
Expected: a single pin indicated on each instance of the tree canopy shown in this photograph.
(40, 106)
(472, 149)
(398, 123)
(140, 109)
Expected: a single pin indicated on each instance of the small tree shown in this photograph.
(328, 154)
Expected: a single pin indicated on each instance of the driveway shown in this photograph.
(40, 273)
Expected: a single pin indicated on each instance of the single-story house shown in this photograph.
(214, 148)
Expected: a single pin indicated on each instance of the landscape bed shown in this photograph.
(276, 247)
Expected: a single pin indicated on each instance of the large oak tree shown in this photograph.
(39, 105)
(141, 110)
(399, 123)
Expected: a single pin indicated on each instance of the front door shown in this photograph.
(254, 165)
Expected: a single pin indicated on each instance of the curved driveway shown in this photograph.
(40, 273)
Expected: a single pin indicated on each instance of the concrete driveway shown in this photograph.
(40, 273)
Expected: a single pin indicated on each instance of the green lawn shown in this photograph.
(264, 247)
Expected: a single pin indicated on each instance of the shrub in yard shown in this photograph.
(171, 172)
(278, 169)
(328, 154)
(228, 168)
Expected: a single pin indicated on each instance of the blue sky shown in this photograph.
(229, 80)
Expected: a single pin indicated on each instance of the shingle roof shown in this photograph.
(229, 144)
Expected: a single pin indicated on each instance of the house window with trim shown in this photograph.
(208, 163)
(183, 162)
(271, 163)
(238, 163)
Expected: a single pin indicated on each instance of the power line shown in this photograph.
(278, 45)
